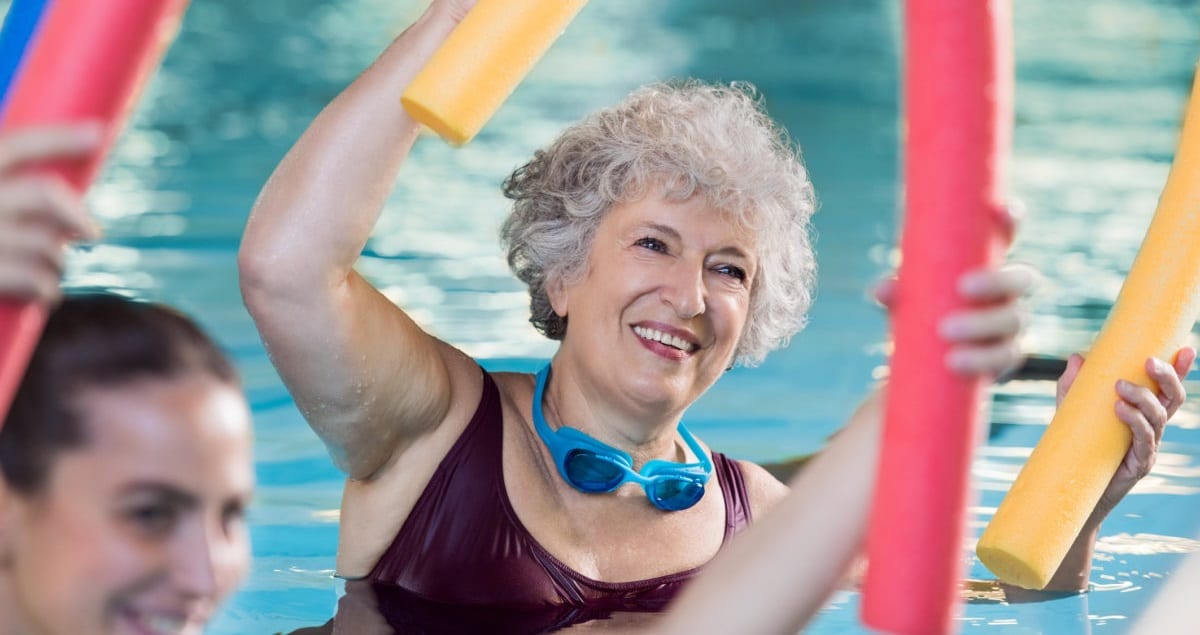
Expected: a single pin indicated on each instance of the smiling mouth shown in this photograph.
(151, 623)
(665, 338)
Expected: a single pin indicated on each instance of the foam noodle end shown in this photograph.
(456, 135)
(1010, 568)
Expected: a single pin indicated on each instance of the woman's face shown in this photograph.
(140, 530)
(664, 299)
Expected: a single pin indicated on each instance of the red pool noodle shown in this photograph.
(86, 63)
(958, 98)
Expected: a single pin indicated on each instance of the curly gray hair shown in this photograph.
(694, 139)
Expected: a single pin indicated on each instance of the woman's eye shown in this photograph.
(736, 273)
(233, 514)
(652, 243)
(155, 520)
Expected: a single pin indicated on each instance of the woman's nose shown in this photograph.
(684, 290)
(207, 560)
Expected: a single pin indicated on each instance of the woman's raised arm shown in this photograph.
(367, 378)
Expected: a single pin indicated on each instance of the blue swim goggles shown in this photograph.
(594, 467)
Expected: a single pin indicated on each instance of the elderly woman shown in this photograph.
(663, 241)
(125, 458)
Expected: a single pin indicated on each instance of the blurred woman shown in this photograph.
(125, 463)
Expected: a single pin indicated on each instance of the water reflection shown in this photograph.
(1100, 91)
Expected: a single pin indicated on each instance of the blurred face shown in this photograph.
(664, 300)
(141, 530)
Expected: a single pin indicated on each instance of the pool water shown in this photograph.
(1101, 87)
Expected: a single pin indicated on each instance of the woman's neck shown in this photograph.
(581, 402)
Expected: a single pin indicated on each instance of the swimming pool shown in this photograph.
(1099, 96)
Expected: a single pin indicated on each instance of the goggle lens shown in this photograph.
(593, 473)
(674, 494)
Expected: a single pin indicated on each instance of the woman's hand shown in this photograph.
(39, 214)
(456, 9)
(1146, 412)
(983, 337)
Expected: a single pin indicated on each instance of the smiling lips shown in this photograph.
(666, 339)
(160, 623)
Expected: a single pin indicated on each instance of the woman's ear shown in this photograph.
(558, 294)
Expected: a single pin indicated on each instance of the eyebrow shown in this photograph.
(670, 231)
(172, 494)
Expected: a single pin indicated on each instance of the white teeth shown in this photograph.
(665, 338)
(163, 624)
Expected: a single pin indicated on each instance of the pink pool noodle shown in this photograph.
(958, 98)
(86, 62)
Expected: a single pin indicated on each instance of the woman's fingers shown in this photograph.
(1145, 411)
(1145, 439)
(32, 245)
(985, 286)
(48, 202)
(1171, 392)
(457, 9)
(983, 336)
(1010, 216)
(1146, 404)
(984, 339)
(21, 280)
(49, 142)
(44, 200)
(884, 292)
(31, 263)
(1074, 363)
(981, 325)
(1006, 283)
(992, 359)
(1184, 358)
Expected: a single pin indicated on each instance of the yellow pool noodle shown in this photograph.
(1056, 491)
(482, 61)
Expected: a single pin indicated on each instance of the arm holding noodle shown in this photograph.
(776, 577)
(386, 397)
(1146, 412)
(38, 214)
(353, 359)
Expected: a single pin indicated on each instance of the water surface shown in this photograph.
(1100, 91)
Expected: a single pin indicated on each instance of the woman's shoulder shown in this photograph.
(508, 380)
(762, 488)
(515, 388)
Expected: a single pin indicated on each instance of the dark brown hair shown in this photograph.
(94, 340)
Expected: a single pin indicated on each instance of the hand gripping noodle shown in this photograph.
(958, 87)
(1055, 492)
(86, 62)
(482, 61)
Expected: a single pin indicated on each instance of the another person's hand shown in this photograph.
(39, 213)
(983, 337)
(1146, 412)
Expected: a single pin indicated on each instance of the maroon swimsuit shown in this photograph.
(463, 545)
